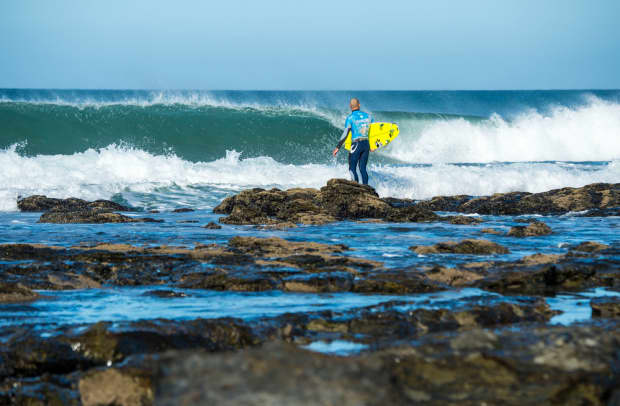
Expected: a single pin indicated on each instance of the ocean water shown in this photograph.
(168, 149)
(162, 149)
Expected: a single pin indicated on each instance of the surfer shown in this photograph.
(358, 123)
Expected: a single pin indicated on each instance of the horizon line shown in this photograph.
(307, 90)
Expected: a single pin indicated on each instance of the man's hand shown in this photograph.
(335, 151)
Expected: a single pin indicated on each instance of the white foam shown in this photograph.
(423, 182)
(136, 174)
(588, 133)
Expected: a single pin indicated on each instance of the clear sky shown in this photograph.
(312, 44)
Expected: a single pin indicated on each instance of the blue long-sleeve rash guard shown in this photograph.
(359, 123)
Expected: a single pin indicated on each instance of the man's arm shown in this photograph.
(342, 140)
(347, 128)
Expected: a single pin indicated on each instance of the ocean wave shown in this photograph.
(586, 133)
(200, 127)
(149, 180)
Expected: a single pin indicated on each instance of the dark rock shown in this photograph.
(533, 229)
(589, 246)
(475, 247)
(544, 278)
(396, 282)
(187, 221)
(463, 220)
(552, 365)
(396, 202)
(339, 199)
(320, 283)
(154, 211)
(344, 199)
(230, 281)
(14, 292)
(452, 276)
(490, 231)
(183, 210)
(605, 306)
(37, 203)
(43, 203)
(247, 263)
(212, 226)
(443, 203)
(91, 216)
(412, 214)
(594, 196)
(614, 211)
(279, 247)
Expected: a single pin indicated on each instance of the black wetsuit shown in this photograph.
(358, 123)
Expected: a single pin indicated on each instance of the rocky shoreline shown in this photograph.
(496, 348)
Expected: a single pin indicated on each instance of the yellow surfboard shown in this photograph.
(379, 135)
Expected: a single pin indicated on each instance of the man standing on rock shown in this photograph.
(358, 122)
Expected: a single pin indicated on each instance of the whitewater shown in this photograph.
(162, 149)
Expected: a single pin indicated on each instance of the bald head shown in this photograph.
(354, 104)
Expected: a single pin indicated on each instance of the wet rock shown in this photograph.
(271, 375)
(116, 387)
(589, 246)
(594, 196)
(246, 263)
(602, 212)
(220, 279)
(15, 292)
(397, 202)
(183, 210)
(328, 282)
(212, 226)
(546, 278)
(52, 390)
(91, 216)
(64, 281)
(340, 199)
(475, 247)
(530, 366)
(253, 206)
(187, 221)
(442, 203)
(398, 281)
(43, 203)
(344, 199)
(312, 219)
(605, 307)
(280, 247)
(491, 231)
(464, 220)
(411, 214)
(533, 229)
(452, 276)
(536, 259)
(154, 211)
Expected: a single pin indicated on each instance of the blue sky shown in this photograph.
(316, 44)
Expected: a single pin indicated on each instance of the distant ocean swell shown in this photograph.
(156, 153)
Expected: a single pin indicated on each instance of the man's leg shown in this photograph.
(363, 160)
(354, 157)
